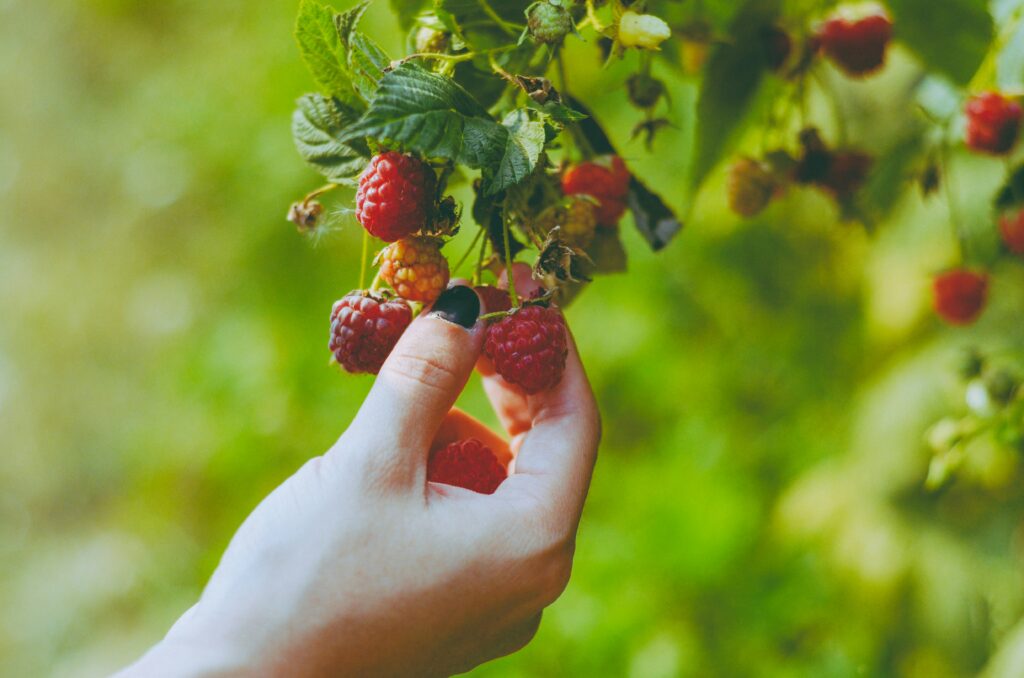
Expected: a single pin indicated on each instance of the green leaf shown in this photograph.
(951, 36)
(323, 50)
(346, 22)
(733, 76)
(433, 115)
(367, 62)
(317, 125)
(524, 143)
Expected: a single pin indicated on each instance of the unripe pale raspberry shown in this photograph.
(431, 41)
(960, 295)
(576, 220)
(395, 196)
(750, 187)
(529, 347)
(415, 268)
(1011, 226)
(606, 180)
(365, 326)
(548, 21)
(993, 123)
(466, 463)
(857, 44)
(643, 31)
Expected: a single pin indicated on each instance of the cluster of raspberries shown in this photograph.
(397, 202)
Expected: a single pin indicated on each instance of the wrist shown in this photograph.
(188, 650)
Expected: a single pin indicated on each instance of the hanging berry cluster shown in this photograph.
(482, 98)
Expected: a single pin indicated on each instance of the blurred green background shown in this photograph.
(757, 509)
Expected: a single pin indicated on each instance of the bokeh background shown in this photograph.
(758, 508)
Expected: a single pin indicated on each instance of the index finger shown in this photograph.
(556, 455)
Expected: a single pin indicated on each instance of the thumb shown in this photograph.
(417, 386)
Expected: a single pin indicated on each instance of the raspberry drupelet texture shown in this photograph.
(529, 347)
(466, 463)
(365, 327)
(857, 45)
(606, 180)
(395, 196)
(960, 295)
(415, 268)
(1011, 226)
(993, 123)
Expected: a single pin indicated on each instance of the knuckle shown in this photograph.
(429, 371)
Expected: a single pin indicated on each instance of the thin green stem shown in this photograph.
(458, 58)
(954, 214)
(366, 255)
(469, 250)
(508, 261)
(376, 281)
(480, 261)
(320, 191)
(507, 26)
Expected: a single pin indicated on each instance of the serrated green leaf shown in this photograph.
(366, 62)
(731, 81)
(323, 50)
(317, 126)
(951, 36)
(346, 22)
(431, 114)
(523, 146)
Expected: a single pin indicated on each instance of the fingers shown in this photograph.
(556, 455)
(417, 386)
(458, 425)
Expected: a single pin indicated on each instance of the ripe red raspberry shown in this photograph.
(395, 196)
(993, 123)
(466, 463)
(960, 295)
(1011, 225)
(606, 180)
(495, 299)
(856, 45)
(750, 187)
(415, 268)
(365, 326)
(528, 347)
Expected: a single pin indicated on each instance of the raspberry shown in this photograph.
(750, 187)
(606, 180)
(993, 123)
(495, 299)
(466, 463)
(857, 45)
(415, 268)
(365, 326)
(960, 295)
(395, 196)
(548, 21)
(1012, 228)
(644, 31)
(577, 220)
(528, 347)
(429, 40)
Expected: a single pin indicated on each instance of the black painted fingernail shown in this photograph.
(458, 305)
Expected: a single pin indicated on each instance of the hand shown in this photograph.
(356, 565)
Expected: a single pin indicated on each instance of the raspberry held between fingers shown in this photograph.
(466, 463)
(365, 326)
(529, 347)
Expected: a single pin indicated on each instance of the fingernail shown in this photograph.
(458, 305)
